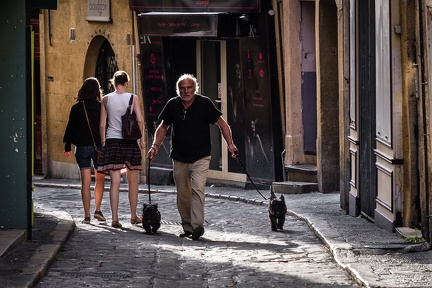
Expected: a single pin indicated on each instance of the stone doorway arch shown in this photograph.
(101, 62)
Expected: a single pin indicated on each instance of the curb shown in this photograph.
(39, 264)
(333, 249)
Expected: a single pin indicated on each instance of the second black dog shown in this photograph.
(277, 210)
(151, 218)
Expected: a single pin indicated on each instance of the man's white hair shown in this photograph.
(187, 76)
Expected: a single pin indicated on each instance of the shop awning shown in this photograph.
(187, 24)
(227, 6)
(44, 4)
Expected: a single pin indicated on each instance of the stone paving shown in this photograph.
(321, 245)
(238, 248)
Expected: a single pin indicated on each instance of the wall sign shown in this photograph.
(98, 10)
(154, 82)
(259, 144)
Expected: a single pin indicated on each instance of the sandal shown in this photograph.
(116, 224)
(137, 220)
(99, 216)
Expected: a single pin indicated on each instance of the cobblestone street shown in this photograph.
(238, 249)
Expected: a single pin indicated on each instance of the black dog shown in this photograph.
(151, 218)
(277, 211)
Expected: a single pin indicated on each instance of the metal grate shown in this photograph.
(178, 223)
(170, 222)
(99, 275)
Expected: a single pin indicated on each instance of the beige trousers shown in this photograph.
(190, 179)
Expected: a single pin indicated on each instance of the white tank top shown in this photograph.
(116, 107)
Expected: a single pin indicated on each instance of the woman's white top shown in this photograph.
(116, 107)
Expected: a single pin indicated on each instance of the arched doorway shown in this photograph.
(106, 66)
(101, 62)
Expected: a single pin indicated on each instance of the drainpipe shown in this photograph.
(426, 222)
(135, 78)
(133, 59)
(282, 67)
(49, 27)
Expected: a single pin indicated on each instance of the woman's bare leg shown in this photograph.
(99, 189)
(85, 190)
(114, 193)
(132, 177)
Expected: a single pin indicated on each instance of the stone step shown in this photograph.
(301, 173)
(294, 187)
(11, 238)
(407, 232)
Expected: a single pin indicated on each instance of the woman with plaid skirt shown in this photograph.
(119, 153)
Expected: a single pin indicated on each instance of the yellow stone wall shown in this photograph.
(64, 61)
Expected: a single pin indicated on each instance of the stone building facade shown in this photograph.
(75, 45)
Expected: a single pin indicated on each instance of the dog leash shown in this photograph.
(247, 174)
(148, 180)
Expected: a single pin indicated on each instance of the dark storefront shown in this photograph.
(229, 46)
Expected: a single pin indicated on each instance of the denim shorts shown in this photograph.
(85, 155)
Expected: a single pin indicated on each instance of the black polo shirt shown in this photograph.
(190, 138)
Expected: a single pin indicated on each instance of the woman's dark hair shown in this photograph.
(90, 90)
(120, 78)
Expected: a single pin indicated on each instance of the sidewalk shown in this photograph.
(372, 256)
